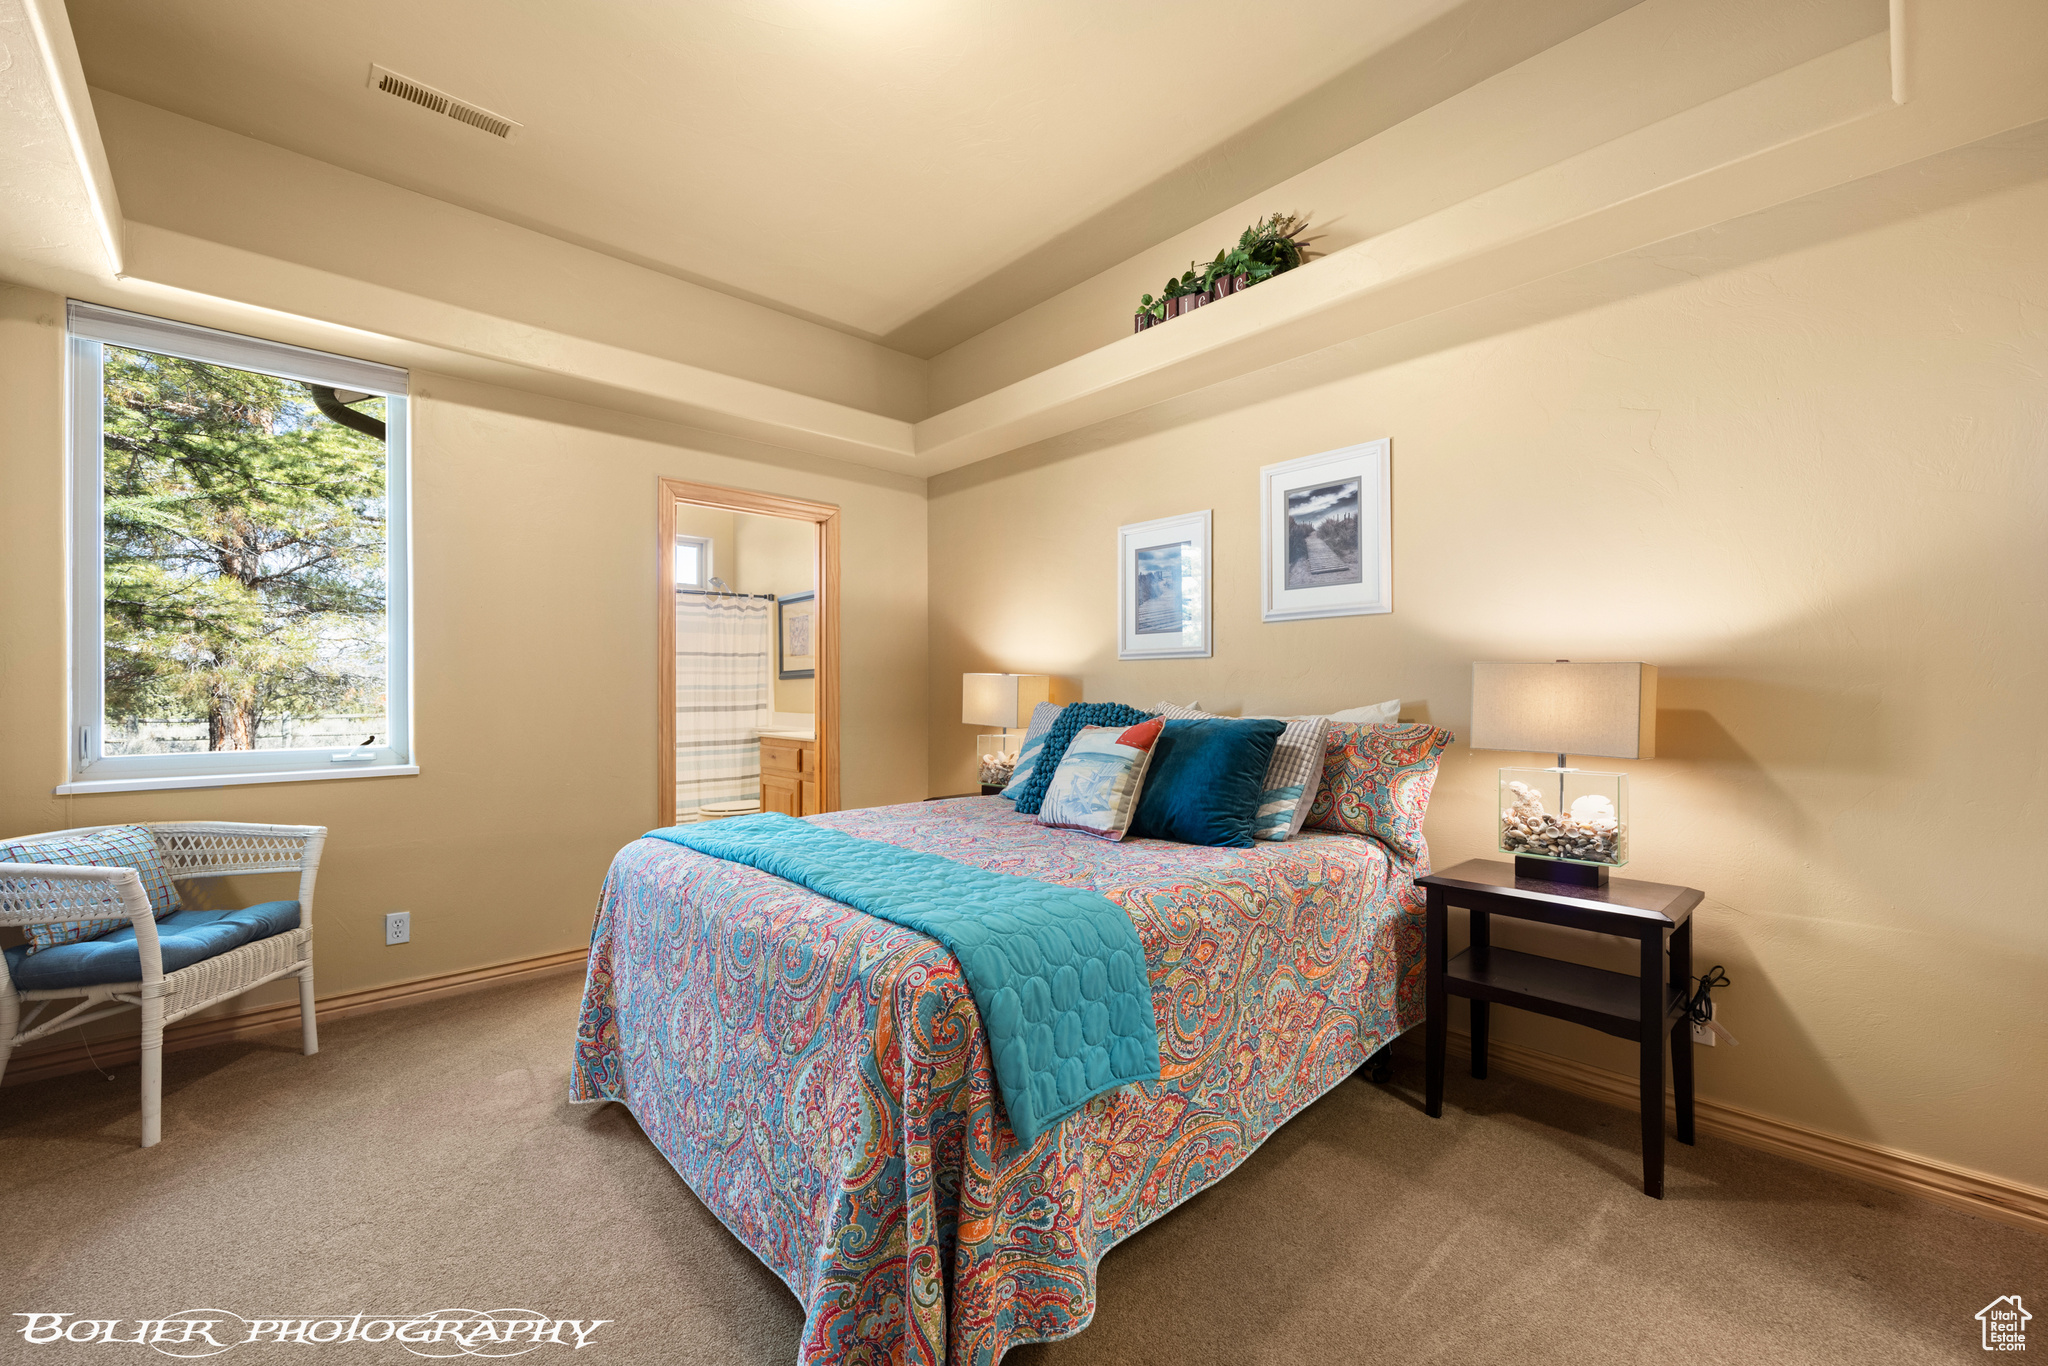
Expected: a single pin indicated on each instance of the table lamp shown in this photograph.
(1001, 703)
(1563, 708)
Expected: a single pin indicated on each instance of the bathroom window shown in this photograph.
(693, 561)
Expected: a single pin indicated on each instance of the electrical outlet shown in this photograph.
(1700, 1033)
(398, 927)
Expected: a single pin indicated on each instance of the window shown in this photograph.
(240, 588)
(693, 561)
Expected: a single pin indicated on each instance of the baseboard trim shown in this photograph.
(199, 1032)
(1987, 1196)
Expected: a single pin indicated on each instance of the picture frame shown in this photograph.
(1163, 588)
(796, 636)
(1326, 534)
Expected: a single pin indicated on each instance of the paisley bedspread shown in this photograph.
(821, 1080)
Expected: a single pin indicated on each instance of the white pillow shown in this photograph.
(1379, 713)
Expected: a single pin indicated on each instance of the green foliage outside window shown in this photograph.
(245, 557)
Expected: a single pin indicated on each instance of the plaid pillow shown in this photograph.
(1290, 779)
(123, 846)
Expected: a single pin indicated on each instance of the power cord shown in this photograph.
(1700, 1004)
(90, 1058)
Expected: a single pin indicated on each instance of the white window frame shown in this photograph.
(704, 569)
(92, 327)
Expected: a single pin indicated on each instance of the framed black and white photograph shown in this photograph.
(1327, 534)
(1163, 588)
(796, 638)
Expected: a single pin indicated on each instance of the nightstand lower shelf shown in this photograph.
(1607, 1001)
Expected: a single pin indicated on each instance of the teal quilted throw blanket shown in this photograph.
(1058, 973)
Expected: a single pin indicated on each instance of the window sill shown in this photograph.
(87, 787)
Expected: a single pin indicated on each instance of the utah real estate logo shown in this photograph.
(2005, 1324)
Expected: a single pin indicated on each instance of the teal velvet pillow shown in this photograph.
(1206, 782)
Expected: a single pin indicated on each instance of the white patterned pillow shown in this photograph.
(1291, 777)
(1027, 760)
(1096, 787)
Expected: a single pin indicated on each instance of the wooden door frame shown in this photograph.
(825, 573)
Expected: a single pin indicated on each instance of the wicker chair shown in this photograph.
(41, 892)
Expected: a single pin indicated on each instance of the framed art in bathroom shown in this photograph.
(796, 636)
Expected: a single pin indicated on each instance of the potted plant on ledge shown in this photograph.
(1273, 245)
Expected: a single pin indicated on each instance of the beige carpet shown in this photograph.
(426, 1159)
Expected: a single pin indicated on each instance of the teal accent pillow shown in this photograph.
(1291, 780)
(1206, 782)
(1029, 793)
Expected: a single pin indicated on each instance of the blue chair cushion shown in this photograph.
(187, 937)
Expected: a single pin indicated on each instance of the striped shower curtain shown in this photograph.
(724, 692)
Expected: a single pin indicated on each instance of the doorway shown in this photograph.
(747, 653)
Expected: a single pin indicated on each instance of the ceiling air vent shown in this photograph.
(441, 102)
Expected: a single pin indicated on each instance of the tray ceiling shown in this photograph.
(866, 163)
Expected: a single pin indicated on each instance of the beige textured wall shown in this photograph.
(533, 536)
(779, 555)
(1811, 489)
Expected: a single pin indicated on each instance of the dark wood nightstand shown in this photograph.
(1645, 1008)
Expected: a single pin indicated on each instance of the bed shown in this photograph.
(820, 1079)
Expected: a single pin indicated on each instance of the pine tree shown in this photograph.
(245, 564)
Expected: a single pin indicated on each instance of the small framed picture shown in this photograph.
(1327, 534)
(1163, 588)
(796, 636)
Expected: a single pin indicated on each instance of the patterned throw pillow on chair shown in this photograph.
(120, 846)
(1096, 788)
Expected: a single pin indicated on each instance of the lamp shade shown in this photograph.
(1566, 708)
(1004, 701)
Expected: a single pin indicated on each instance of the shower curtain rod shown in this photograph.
(713, 593)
